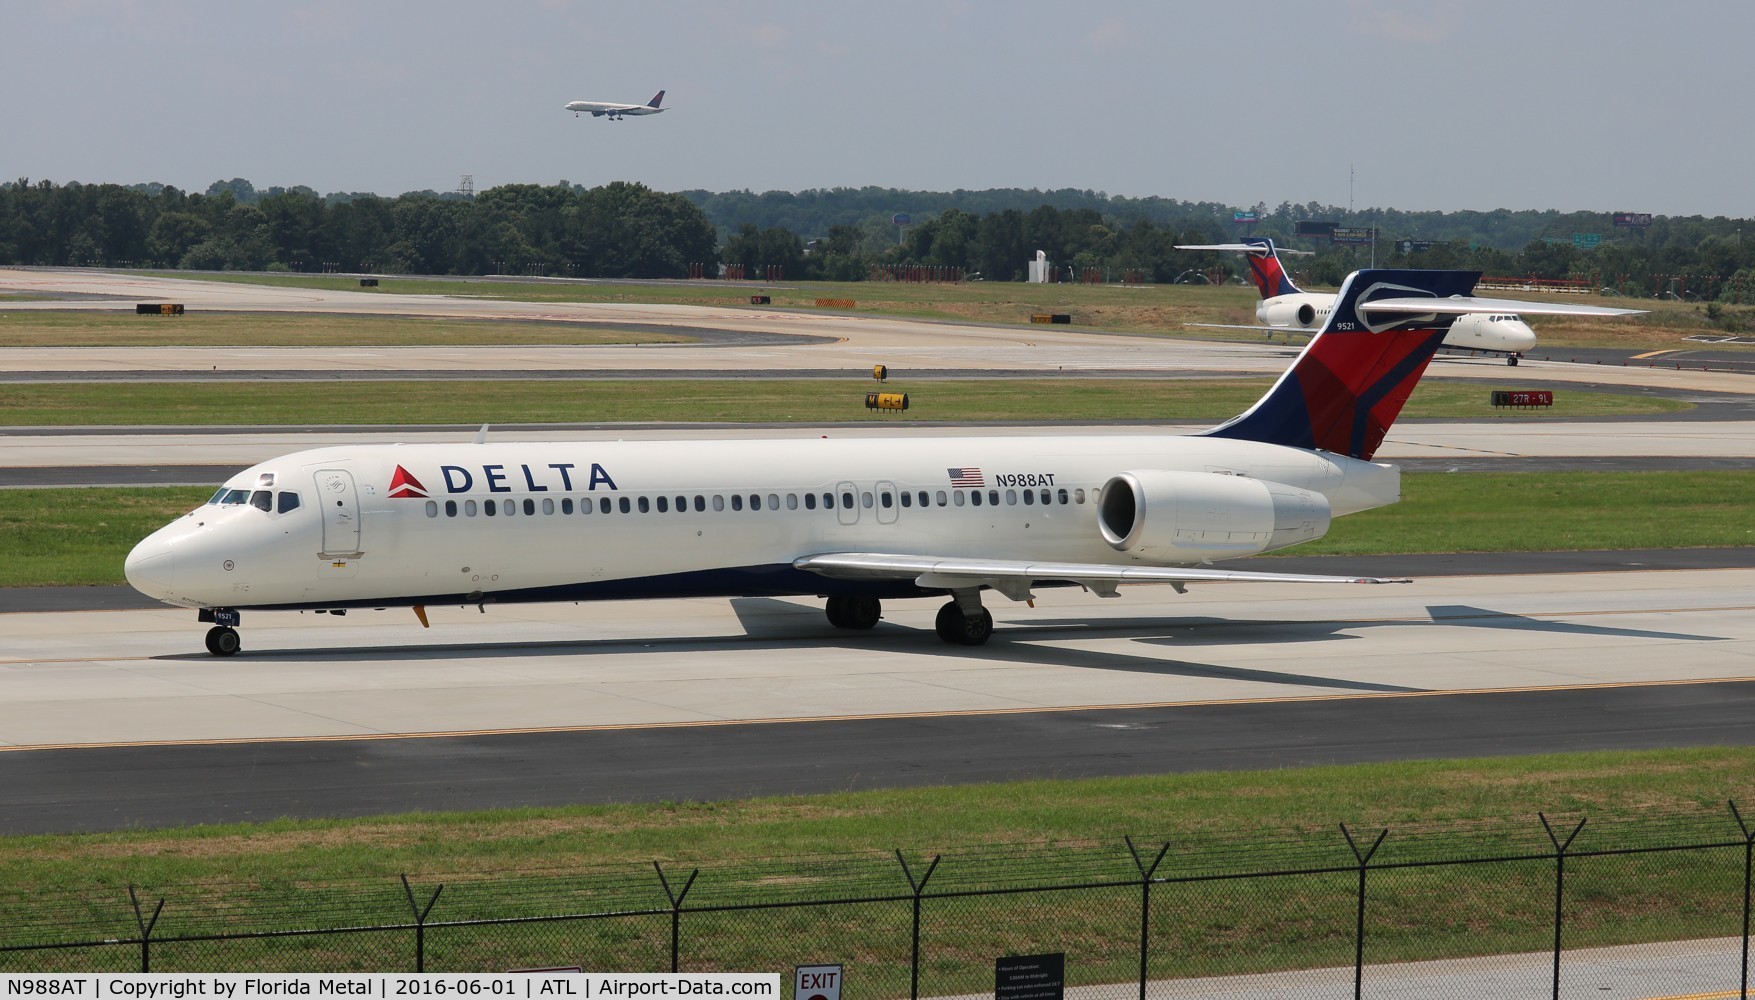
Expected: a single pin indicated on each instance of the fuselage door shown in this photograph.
(341, 512)
(887, 503)
(847, 503)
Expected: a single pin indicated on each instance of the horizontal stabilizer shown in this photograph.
(1457, 305)
(1264, 250)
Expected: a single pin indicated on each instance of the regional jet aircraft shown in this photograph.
(601, 109)
(1285, 306)
(856, 521)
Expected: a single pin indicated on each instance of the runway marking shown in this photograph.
(1654, 354)
(867, 717)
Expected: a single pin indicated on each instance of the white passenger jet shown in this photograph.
(614, 112)
(856, 521)
(1285, 306)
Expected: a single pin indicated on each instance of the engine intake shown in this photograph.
(1179, 517)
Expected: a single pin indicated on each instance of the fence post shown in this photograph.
(1359, 910)
(676, 901)
(918, 888)
(1146, 874)
(1748, 869)
(146, 927)
(1559, 886)
(420, 921)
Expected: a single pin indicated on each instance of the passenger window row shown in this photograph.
(700, 502)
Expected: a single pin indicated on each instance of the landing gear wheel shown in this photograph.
(223, 640)
(854, 612)
(1511, 360)
(961, 629)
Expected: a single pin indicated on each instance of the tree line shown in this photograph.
(627, 230)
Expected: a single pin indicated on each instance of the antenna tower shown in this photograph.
(466, 186)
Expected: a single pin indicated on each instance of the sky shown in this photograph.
(1596, 105)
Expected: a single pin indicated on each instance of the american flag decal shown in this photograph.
(966, 477)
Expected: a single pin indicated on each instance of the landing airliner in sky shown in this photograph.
(1285, 306)
(856, 521)
(614, 112)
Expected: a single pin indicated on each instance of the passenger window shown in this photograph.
(884, 499)
(548, 506)
(432, 508)
(1062, 495)
(663, 505)
(700, 502)
(603, 504)
(1011, 498)
(773, 501)
(624, 504)
(718, 502)
(509, 508)
(487, 507)
(810, 501)
(469, 508)
(865, 499)
(993, 497)
(907, 499)
(924, 498)
(530, 508)
(682, 505)
(1078, 496)
(975, 497)
(791, 501)
(566, 505)
(450, 508)
(828, 501)
(941, 498)
(957, 495)
(846, 500)
(1029, 498)
(645, 505)
(737, 501)
(755, 501)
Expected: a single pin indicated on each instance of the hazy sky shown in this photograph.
(1525, 104)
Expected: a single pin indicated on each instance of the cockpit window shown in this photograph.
(262, 500)
(231, 498)
(288, 501)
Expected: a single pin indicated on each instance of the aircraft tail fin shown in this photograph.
(1351, 379)
(1265, 270)
(656, 98)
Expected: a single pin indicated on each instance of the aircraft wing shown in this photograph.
(1459, 304)
(1306, 330)
(1014, 577)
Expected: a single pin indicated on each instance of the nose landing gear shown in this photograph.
(222, 640)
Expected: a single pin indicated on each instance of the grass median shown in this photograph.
(66, 537)
(462, 401)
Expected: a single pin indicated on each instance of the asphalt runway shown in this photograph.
(116, 720)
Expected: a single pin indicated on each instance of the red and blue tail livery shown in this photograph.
(1265, 269)
(1351, 380)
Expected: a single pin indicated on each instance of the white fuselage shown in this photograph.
(598, 109)
(383, 525)
(1306, 312)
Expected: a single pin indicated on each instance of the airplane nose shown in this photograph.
(151, 567)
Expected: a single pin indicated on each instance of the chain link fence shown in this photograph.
(1326, 912)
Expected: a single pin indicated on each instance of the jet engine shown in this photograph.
(1178, 517)
(1287, 314)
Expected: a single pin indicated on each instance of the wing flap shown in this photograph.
(1013, 578)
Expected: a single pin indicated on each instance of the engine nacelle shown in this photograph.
(1287, 314)
(1179, 517)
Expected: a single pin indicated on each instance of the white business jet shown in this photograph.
(614, 112)
(1285, 306)
(856, 521)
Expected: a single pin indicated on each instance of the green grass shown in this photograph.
(51, 537)
(718, 400)
(288, 874)
(35, 328)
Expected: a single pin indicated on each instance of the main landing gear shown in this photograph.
(961, 622)
(1511, 359)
